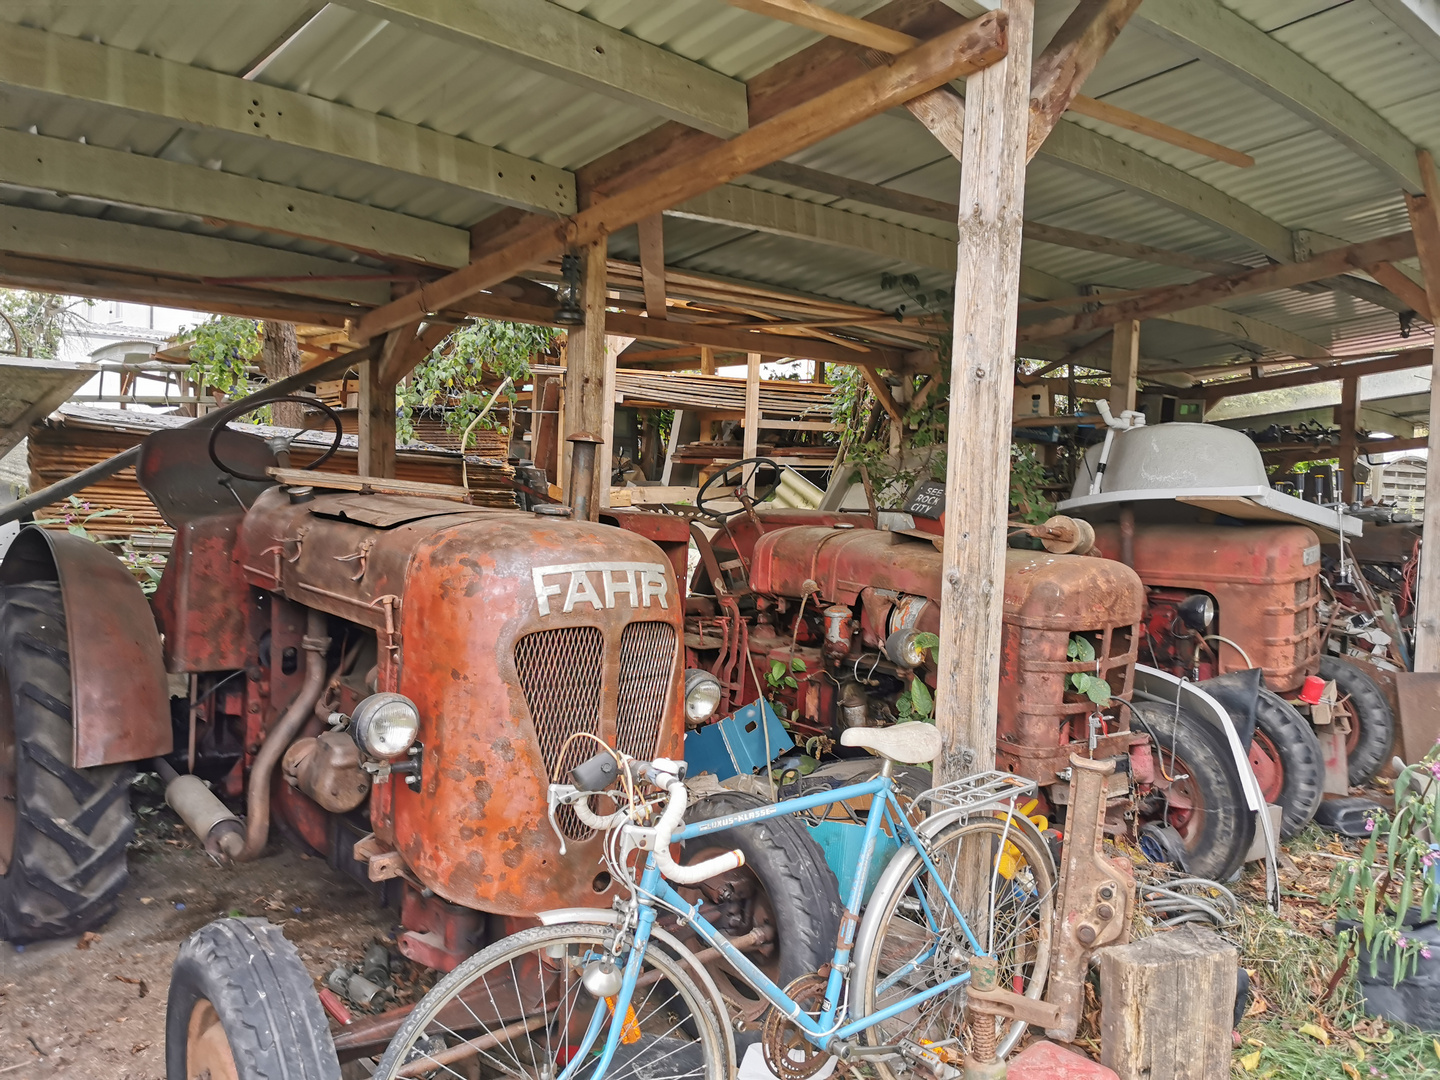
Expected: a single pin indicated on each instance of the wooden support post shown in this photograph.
(1425, 220)
(652, 264)
(614, 346)
(707, 360)
(1124, 366)
(982, 382)
(1166, 1004)
(377, 405)
(1346, 415)
(752, 410)
(588, 372)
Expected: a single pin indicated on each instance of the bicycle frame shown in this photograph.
(830, 1026)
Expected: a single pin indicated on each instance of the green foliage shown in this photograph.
(145, 566)
(453, 376)
(221, 351)
(1082, 682)
(1378, 890)
(916, 702)
(778, 676)
(1027, 479)
(42, 319)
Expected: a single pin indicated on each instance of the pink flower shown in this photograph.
(1370, 824)
(1400, 941)
(1435, 768)
(1424, 953)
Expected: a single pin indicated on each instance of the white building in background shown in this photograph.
(112, 332)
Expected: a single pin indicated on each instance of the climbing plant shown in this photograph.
(454, 375)
(221, 351)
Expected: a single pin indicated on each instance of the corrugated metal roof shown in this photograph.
(1303, 179)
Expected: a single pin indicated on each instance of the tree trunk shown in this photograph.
(280, 358)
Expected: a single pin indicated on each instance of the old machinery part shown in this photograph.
(702, 695)
(1061, 535)
(838, 630)
(257, 821)
(205, 815)
(904, 650)
(764, 473)
(1198, 612)
(1160, 843)
(788, 1054)
(583, 446)
(385, 725)
(327, 770)
(1372, 722)
(330, 414)
(854, 706)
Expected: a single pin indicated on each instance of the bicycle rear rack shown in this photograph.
(983, 791)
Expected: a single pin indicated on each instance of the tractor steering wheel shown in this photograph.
(763, 471)
(330, 414)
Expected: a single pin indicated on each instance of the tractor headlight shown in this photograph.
(903, 649)
(702, 695)
(1197, 612)
(384, 725)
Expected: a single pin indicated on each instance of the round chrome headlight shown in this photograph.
(384, 725)
(1197, 612)
(702, 695)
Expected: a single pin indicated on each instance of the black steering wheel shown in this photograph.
(330, 414)
(737, 476)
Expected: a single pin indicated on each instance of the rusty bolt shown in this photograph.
(1105, 911)
(254, 706)
(1086, 934)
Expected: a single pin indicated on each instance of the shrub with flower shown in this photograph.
(1380, 890)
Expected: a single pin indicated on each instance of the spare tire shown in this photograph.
(785, 887)
(1372, 722)
(243, 1005)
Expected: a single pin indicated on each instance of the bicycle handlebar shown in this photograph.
(673, 816)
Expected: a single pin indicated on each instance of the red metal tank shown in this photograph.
(510, 632)
(1264, 578)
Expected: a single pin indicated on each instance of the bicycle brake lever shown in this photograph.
(551, 804)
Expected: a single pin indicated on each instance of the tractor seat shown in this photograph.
(911, 743)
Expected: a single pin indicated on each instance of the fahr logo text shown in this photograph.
(599, 584)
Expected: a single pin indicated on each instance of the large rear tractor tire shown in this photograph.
(1288, 761)
(243, 1007)
(1197, 790)
(1372, 722)
(63, 830)
(785, 889)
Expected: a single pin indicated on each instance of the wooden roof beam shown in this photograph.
(188, 96)
(961, 51)
(1410, 358)
(1210, 290)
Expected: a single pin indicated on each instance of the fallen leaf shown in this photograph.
(1250, 1062)
(87, 939)
(1350, 1070)
(147, 899)
(139, 1048)
(1258, 1006)
(1435, 1045)
(1316, 1032)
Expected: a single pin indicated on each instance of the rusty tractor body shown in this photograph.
(828, 591)
(287, 609)
(1264, 579)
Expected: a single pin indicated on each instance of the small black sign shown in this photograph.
(927, 500)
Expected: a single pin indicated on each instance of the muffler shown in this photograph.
(205, 815)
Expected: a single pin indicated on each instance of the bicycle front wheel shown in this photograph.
(518, 1009)
(912, 940)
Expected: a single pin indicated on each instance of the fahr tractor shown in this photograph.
(392, 680)
(1232, 581)
(832, 616)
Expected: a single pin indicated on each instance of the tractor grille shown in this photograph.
(561, 672)
(647, 658)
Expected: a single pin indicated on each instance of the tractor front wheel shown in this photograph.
(243, 1007)
(1372, 722)
(1288, 762)
(63, 830)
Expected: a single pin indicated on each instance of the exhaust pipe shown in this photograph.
(582, 474)
(257, 797)
(205, 815)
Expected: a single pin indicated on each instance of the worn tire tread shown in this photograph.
(1302, 758)
(1372, 713)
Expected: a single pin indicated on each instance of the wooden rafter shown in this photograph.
(964, 50)
(1213, 289)
(1410, 358)
(652, 264)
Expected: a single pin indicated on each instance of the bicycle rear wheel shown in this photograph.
(911, 940)
(518, 1009)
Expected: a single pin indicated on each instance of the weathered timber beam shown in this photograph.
(1410, 358)
(566, 45)
(966, 49)
(652, 264)
(1068, 61)
(1209, 290)
(193, 97)
(113, 176)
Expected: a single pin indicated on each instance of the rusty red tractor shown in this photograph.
(1226, 594)
(393, 680)
(821, 611)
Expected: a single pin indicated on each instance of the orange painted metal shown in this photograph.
(119, 698)
(1265, 581)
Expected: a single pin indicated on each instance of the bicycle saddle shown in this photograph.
(911, 743)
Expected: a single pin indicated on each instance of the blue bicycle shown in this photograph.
(596, 993)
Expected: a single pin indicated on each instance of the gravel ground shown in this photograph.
(95, 1007)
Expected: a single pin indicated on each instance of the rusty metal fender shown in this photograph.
(120, 704)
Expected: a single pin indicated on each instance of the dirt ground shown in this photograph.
(96, 1008)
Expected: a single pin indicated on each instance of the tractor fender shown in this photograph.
(120, 702)
(697, 970)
